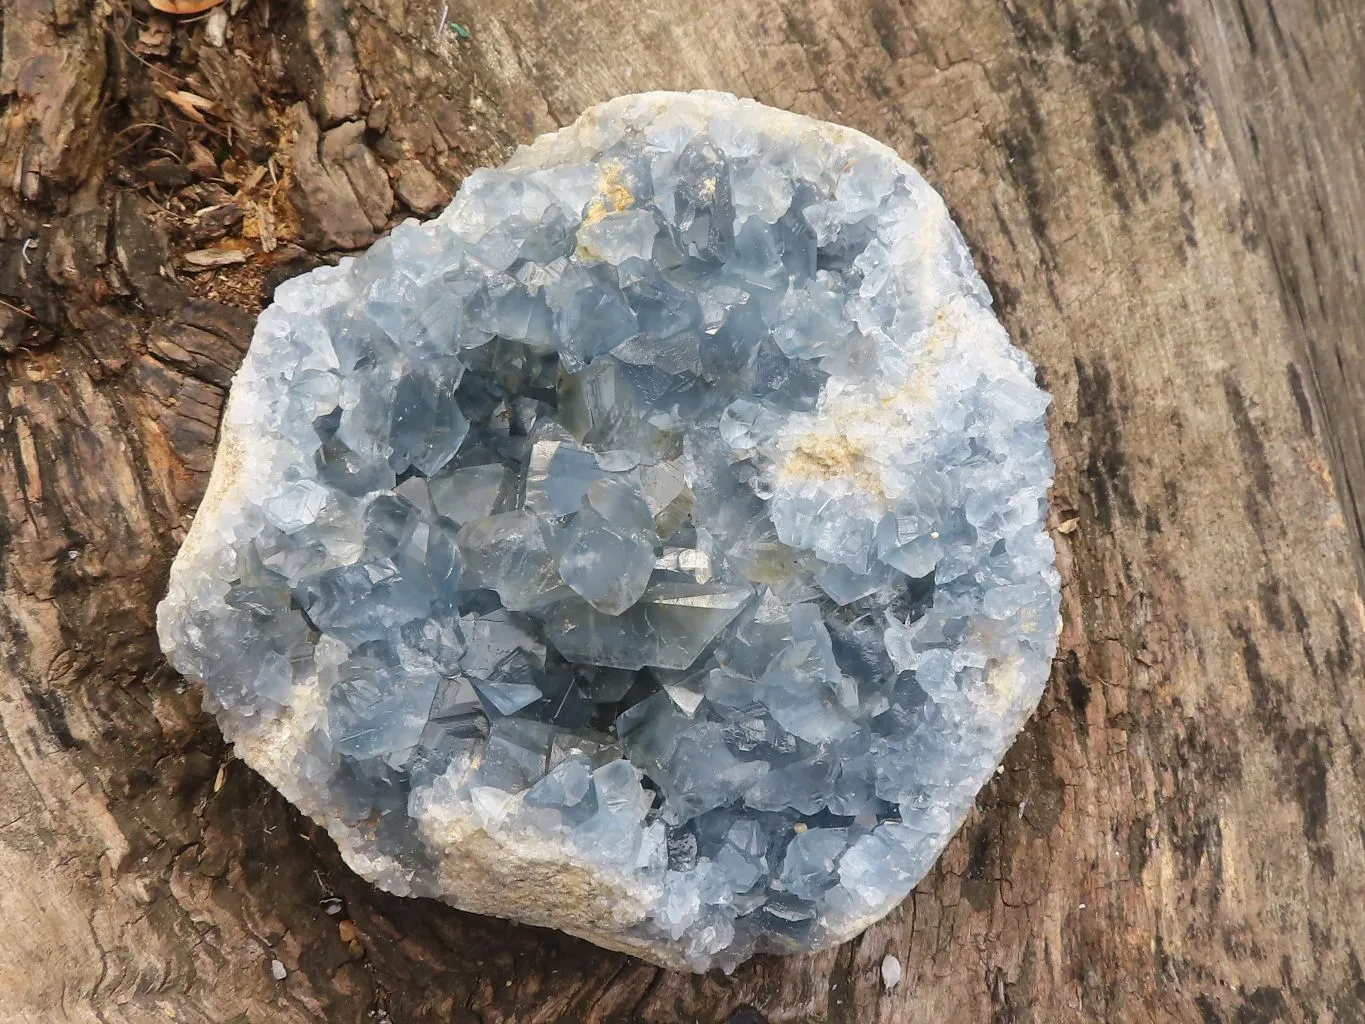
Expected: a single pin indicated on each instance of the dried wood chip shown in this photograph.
(155, 39)
(202, 162)
(192, 105)
(205, 259)
(213, 222)
(265, 226)
(215, 30)
(253, 179)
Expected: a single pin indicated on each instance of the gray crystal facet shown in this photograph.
(652, 546)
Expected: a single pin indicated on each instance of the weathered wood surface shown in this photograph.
(1165, 198)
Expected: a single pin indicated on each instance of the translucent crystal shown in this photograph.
(668, 627)
(607, 554)
(665, 519)
(809, 860)
(511, 553)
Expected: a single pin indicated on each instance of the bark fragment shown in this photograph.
(418, 188)
(320, 59)
(52, 69)
(341, 194)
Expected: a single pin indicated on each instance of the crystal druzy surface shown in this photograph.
(651, 546)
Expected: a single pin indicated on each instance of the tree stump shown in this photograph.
(1165, 197)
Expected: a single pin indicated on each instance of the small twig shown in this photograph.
(441, 22)
(29, 243)
(143, 124)
(21, 312)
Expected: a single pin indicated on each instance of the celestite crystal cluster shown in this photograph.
(650, 547)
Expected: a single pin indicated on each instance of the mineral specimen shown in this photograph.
(649, 547)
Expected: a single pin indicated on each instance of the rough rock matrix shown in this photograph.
(651, 547)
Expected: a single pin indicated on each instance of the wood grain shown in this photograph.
(1164, 198)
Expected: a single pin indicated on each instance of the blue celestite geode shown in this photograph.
(651, 547)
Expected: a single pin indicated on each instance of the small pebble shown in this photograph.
(278, 972)
(891, 972)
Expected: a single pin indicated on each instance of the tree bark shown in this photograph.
(1164, 196)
